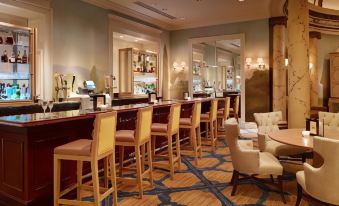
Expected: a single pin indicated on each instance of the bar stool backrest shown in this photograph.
(227, 107)
(104, 133)
(174, 118)
(144, 123)
(196, 114)
(214, 109)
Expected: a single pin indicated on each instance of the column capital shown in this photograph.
(279, 20)
(315, 34)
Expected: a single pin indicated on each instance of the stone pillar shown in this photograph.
(298, 69)
(314, 36)
(279, 70)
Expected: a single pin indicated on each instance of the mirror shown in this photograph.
(216, 67)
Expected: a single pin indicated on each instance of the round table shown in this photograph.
(292, 137)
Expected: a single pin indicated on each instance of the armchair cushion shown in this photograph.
(269, 165)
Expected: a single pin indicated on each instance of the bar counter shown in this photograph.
(28, 142)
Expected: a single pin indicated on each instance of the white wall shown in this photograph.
(80, 41)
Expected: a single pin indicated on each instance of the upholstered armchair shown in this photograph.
(251, 162)
(331, 124)
(268, 122)
(321, 183)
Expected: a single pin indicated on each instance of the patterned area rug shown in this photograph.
(207, 184)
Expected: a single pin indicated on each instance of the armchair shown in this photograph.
(321, 184)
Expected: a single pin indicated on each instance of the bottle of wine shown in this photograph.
(12, 59)
(18, 58)
(4, 57)
(24, 57)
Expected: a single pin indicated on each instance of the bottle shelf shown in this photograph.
(14, 76)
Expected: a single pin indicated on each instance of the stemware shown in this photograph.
(43, 106)
(50, 105)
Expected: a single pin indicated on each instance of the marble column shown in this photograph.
(279, 70)
(314, 36)
(298, 69)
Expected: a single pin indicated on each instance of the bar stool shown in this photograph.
(101, 147)
(235, 109)
(138, 138)
(223, 113)
(193, 124)
(210, 120)
(168, 131)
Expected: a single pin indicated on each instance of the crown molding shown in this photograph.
(109, 5)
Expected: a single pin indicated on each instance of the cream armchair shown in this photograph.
(321, 183)
(331, 124)
(245, 160)
(268, 122)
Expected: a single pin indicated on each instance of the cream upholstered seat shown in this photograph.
(268, 122)
(210, 120)
(193, 125)
(321, 183)
(170, 131)
(331, 123)
(141, 137)
(249, 161)
(102, 147)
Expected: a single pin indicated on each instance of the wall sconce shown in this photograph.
(310, 66)
(248, 62)
(176, 65)
(286, 62)
(260, 62)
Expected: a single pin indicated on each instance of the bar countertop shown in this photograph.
(41, 118)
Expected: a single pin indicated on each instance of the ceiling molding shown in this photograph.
(118, 9)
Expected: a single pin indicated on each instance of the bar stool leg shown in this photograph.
(121, 160)
(207, 132)
(143, 156)
(153, 145)
(215, 133)
(106, 172)
(139, 173)
(150, 163)
(195, 147)
(199, 140)
(113, 179)
(79, 179)
(95, 178)
(57, 167)
(177, 140)
(170, 155)
(212, 135)
(191, 137)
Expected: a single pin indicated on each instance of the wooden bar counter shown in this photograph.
(28, 142)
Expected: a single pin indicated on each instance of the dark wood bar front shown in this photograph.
(28, 142)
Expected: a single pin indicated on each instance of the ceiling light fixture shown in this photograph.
(241, 0)
(121, 36)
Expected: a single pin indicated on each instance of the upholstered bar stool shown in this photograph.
(235, 108)
(210, 120)
(224, 113)
(101, 147)
(140, 137)
(193, 124)
(168, 131)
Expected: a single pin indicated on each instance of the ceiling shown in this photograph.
(181, 14)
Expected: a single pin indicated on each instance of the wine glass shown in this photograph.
(50, 105)
(44, 106)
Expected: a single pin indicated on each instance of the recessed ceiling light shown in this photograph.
(241, 0)
(136, 40)
(121, 36)
(182, 18)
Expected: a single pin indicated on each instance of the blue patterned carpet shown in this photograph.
(207, 184)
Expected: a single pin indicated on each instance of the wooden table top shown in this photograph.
(292, 137)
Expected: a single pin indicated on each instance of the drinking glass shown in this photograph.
(50, 105)
(44, 106)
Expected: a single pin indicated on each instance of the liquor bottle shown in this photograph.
(12, 59)
(18, 58)
(24, 57)
(4, 57)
